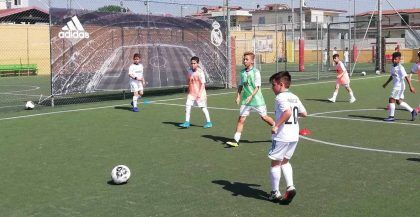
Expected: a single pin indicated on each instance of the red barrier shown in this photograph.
(301, 54)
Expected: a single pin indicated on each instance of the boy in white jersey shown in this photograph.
(398, 74)
(343, 79)
(196, 93)
(250, 97)
(137, 82)
(285, 136)
(346, 57)
(415, 69)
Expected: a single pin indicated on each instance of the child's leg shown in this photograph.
(268, 120)
(391, 112)
(239, 128)
(350, 91)
(187, 113)
(275, 175)
(206, 113)
(404, 105)
(286, 167)
(337, 87)
(135, 97)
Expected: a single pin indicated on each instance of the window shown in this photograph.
(261, 20)
(406, 18)
(18, 2)
(289, 18)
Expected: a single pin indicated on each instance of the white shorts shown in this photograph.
(397, 94)
(199, 103)
(280, 150)
(136, 86)
(245, 110)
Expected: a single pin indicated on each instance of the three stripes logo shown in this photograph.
(73, 29)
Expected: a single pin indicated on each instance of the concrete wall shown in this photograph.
(25, 44)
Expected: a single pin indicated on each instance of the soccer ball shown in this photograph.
(29, 105)
(378, 72)
(120, 174)
(363, 73)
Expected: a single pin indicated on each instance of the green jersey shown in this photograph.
(249, 81)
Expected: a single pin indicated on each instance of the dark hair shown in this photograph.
(195, 58)
(136, 55)
(418, 54)
(336, 55)
(395, 55)
(283, 76)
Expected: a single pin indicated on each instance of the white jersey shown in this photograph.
(135, 71)
(398, 74)
(346, 57)
(289, 130)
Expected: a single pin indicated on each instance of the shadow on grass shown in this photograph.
(110, 182)
(223, 140)
(367, 117)
(126, 108)
(319, 100)
(176, 124)
(243, 189)
(414, 159)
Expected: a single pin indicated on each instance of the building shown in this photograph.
(11, 4)
(393, 26)
(24, 15)
(265, 19)
(239, 18)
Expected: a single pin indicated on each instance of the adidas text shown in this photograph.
(73, 34)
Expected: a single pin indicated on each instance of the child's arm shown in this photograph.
(284, 117)
(238, 95)
(387, 82)
(412, 89)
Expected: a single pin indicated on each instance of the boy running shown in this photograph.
(342, 79)
(137, 82)
(416, 68)
(285, 136)
(398, 74)
(196, 93)
(251, 98)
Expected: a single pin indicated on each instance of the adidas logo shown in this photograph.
(73, 29)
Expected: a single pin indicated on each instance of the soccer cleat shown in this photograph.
(274, 196)
(413, 115)
(232, 144)
(331, 99)
(186, 124)
(390, 118)
(352, 100)
(208, 125)
(135, 109)
(288, 196)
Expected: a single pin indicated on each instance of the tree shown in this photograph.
(113, 8)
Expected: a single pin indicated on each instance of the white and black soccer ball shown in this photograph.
(120, 174)
(378, 72)
(363, 73)
(29, 105)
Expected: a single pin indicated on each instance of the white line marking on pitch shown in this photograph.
(163, 100)
(359, 148)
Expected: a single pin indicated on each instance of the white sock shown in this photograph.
(237, 136)
(275, 175)
(187, 113)
(206, 113)
(351, 94)
(135, 101)
(335, 94)
(391, 109)
(406, 106)
(288, 173)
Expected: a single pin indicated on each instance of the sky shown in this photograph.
(190, 7)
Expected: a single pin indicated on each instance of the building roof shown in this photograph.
(27, 14)
(266, 9)
(392, 12)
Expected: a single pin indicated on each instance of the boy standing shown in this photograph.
(196, 93)
(137, 82)
(342, 79)
(416, 68)
(285, 136)
(251, 98)
(398, 74)
(346, 57)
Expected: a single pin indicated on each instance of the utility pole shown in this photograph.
(379, 38)
(229, 51)
(301, 40)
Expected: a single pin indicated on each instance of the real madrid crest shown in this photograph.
(216, 34)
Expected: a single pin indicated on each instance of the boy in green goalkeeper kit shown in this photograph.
(251, 98)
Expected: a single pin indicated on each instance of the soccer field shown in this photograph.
(57, 161)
